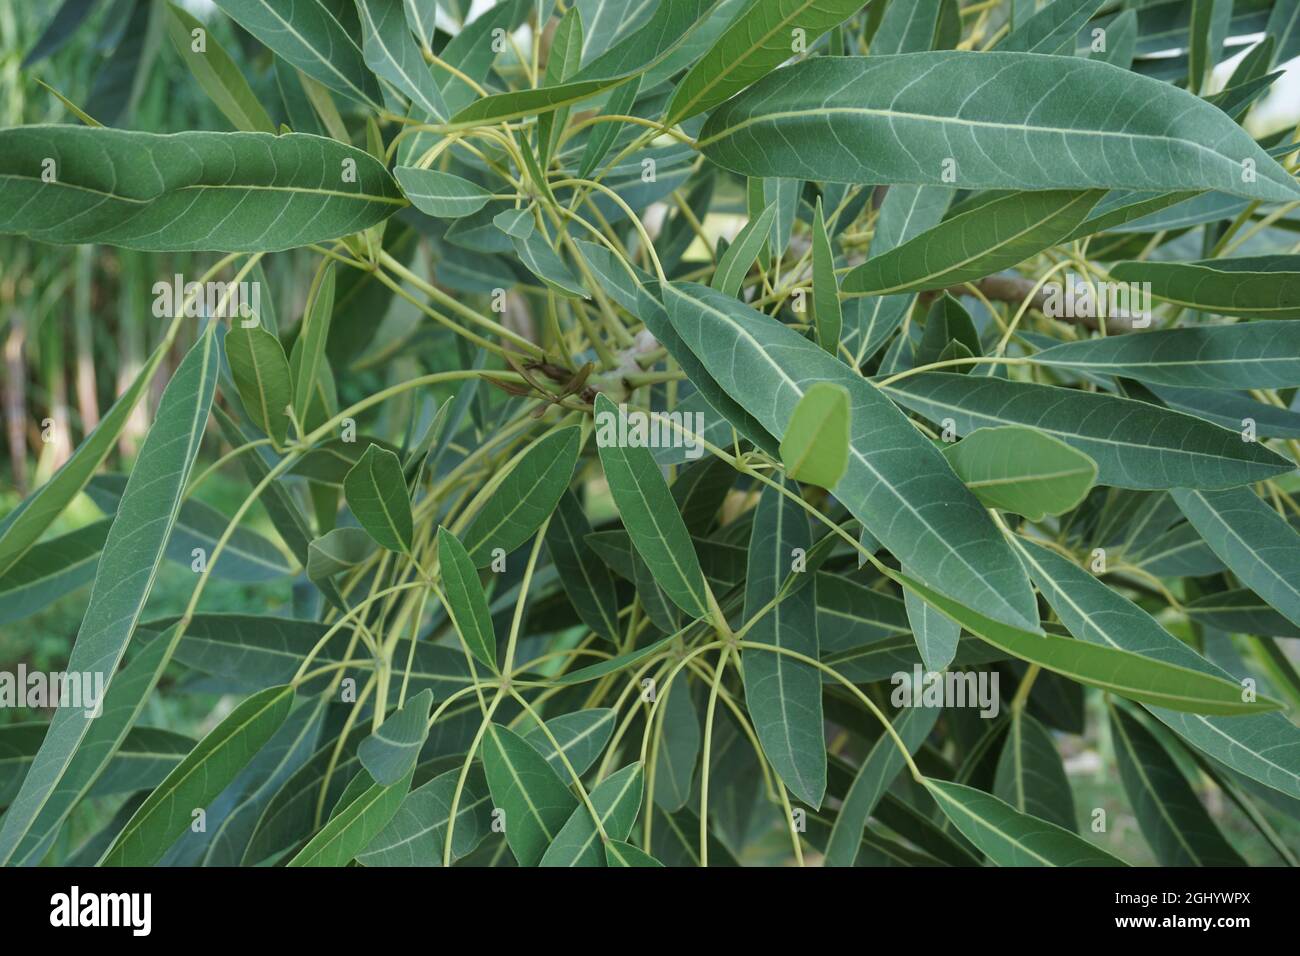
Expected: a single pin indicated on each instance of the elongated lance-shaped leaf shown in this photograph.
(1175, 824)
(390, 752)
(1022, 470)
(1254, 541)
(127, 568)
(391, 53)
(583, 575)
(192, 191)
(122, 705)
(526, 496)
(936, 635)
(442, 195)
(815, 448)
(50, 570)
(1264, 747)
(1242, 356)
(897, 483)
(466, 602)
(1131, 675)
(531, 794)
(216, 72)
(261, 374)
(649, 513)
(906, 212)
(679, 747)
(1030, 775)
(1135, 444)
(417, 833)
(617, 800)
(1052, 29)
(827, 316)
(735, 263)
(1009, 837)
(23, 526)
(310, 35)
(1240, 611)
(989, 238)
(1255, 287)
(1083, 125)
(199, 778)
(753, 46)
(353, 826)
(874, 777)
(309, 350)
(784, 695)
(377, 495)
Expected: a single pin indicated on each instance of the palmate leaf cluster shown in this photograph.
(853, 267)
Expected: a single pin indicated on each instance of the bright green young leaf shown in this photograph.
(442, 195)
(216, 72)
(1256, 287)
(815, 448)
(354, 825)
(827, 316)
(1022, 470)
(261, 373)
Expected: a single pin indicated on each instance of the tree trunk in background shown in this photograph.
(84, 333)
(15, 399)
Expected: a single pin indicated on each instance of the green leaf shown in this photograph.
(1135, 444)
(1257, 287)
(309, 349)
(441, 195)
(613, 665)
(618, 853)
(526, 496)
(736, 261)
(199, 778)
(353, 826)
(1022, 470)
(617, 799)
(216, 72)
(1011, 838)
(50, 570)
(123, 702)
(1240, 611)
(1123, 672)
(392, 55)
(649, 513)
(874, 777)
(1030, 775)
(1246, 355)
(1264, 747)
(417, 833)
(784, 695)
(581, 734)
(896, 119)
(827, 317)
(261, 373)
(993, 236)
(815, 448)
(377, 496)
(907, 27)
(1257, 544)
(533, 797)
(679, 747)
(897, 483)
(1052, 29)
(584, 577)
(936, 636)
(390, 752)
(127, 568)
(466, 602)
(754, 45)
(337, 551)
(1178, 829)
(316, 37)
(191, 191)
